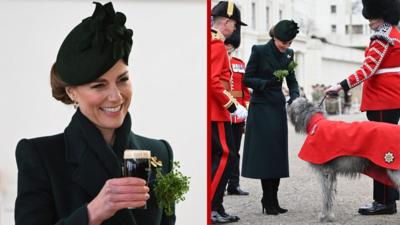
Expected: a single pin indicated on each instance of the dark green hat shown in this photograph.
(94, 46)
(285, 30)
(229, 10)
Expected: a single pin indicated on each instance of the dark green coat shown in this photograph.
(59, 175)
(266, 140)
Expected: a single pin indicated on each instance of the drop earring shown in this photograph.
(76, 105)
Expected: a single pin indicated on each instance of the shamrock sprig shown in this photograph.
(280, 74)
(170, 188)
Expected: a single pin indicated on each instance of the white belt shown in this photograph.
(388, 70)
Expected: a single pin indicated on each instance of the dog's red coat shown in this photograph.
(377, 141)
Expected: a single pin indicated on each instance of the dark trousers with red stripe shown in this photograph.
(221, 153)
(383, 193)
(237, 131)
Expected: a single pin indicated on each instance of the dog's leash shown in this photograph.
(331, 94)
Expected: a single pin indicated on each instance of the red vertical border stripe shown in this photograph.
(208, 33)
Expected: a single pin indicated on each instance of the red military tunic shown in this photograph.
(239, 91)
(220, 77)
(380, 71)
(376, 141)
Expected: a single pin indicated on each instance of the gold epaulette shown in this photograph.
(215, 34)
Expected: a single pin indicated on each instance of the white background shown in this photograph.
(167, 64)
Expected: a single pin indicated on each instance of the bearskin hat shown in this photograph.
(234, 39)
(388, 10)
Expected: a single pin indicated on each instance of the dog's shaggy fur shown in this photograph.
(300, 113)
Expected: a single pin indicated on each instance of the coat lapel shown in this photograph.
(89, 173)
(95, 162)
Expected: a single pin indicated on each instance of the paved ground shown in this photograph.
(301, 195)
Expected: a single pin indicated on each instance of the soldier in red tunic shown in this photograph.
(222, 107)
(380, 74)
(242, 95)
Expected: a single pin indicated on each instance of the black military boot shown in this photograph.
(376, 208)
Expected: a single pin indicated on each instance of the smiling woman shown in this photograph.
(105, 101)
(75, 178)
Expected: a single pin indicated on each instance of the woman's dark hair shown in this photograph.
(58, 87)
(271, 32)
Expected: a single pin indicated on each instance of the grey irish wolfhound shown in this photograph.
(300, 112)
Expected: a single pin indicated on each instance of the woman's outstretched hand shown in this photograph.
(116, 194)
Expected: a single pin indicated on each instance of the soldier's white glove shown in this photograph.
(241, 112)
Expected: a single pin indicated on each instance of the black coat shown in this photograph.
(266, 140)
(59, 175)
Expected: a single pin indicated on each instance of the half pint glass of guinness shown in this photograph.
(137, 164)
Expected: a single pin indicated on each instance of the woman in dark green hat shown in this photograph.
(75, 178)
(265, 155)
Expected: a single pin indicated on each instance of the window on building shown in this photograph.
(280, 15)
(253, 15)
(333, 9)
(333, 28)
(356, 29)
(267, 17)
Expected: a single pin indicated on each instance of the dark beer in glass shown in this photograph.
(137, 164)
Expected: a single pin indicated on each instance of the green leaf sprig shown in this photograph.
(292, 65)
(170, 188)
(280, 74)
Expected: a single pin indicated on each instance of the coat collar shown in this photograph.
(217, 35)
(95, 161)
(271, 45)
(312, 123)
(83, 137)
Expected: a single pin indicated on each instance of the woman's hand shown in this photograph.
(116, 194)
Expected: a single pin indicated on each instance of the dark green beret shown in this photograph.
(285, 30)
(94, 46)
(229, 10)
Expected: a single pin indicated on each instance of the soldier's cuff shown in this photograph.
(232, 108)
(230, 105)
(345, 85)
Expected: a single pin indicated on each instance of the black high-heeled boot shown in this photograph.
(267, 202)
(275, 197)
(278, 207)
(267, 207)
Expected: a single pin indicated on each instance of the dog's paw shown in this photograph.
(327, 218)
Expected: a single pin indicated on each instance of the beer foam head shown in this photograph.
(136, 154)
